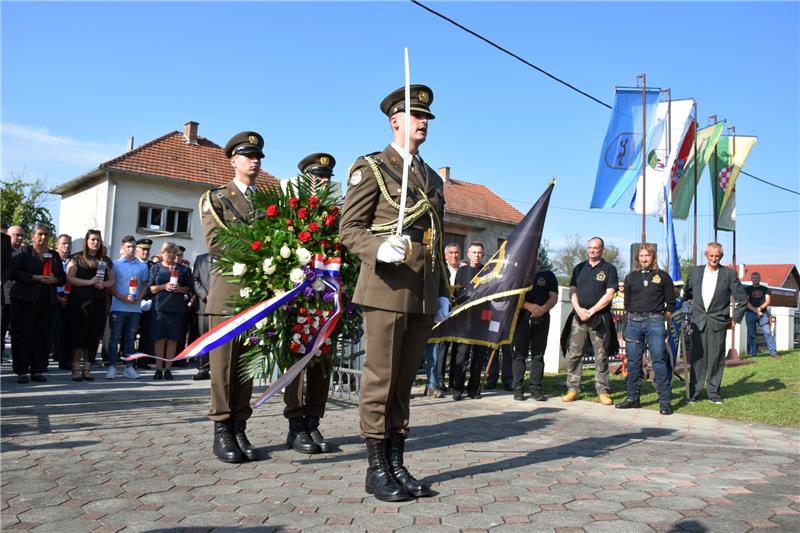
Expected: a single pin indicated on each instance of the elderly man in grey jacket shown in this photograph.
(711, 288)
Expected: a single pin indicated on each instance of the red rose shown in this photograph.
(313, 227)
(298, 328)
(325, 348)
(313, 202)
(302, 213)
(304, 237)
(337, 247)
(272, 210)
(289, 222)
(302, 311)
(297, 347)
(329, 221)
(334, 211)
(304, 337)
(294, 202)
(255, 245)
(325, 244)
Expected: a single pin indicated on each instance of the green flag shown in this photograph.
(683, 192)
(729, 157)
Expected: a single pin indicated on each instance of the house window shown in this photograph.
(159, 218)
(456, 238)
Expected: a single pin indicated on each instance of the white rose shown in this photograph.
(303, 255)
(285, 251)
(239, 269)
(261, 324)
(244, 292)
(296, 275)
(318, 285)
(268, 267)
(280, 292)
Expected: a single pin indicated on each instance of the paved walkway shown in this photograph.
(135, 456)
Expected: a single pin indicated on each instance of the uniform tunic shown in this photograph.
(399, 300)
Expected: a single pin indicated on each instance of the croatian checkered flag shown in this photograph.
(487, 312)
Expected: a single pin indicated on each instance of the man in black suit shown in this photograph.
(711, 288)
(200, 281)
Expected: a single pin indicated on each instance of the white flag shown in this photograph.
(661, 156)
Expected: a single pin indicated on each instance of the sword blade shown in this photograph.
(407, 154)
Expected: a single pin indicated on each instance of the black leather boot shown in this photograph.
(225, 447)
(247, 449)
(298, 438)
(312, 425)
(380, 482)
(396, 448)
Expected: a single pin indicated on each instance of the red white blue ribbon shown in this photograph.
(326, 270)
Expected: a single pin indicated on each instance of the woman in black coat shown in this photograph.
(37, 272)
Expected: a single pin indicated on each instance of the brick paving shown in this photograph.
(123, 456)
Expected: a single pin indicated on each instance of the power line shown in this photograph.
(512, 54)
(770, 183)
(552, 76)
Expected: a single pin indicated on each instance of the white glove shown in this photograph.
(444, 309)
(393, 250)
(146, 305)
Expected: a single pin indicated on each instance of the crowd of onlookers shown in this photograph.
(60, 304)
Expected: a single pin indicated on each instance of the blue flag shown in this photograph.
(621, 157)
(674, 268)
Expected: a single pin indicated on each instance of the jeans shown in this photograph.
(753, 322)
(432, 352)
(122, 324)
(651, 331)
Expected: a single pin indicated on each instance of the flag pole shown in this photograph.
(713, 120)
(732, 130)
(694, 195)
(733, 353)
(643, 77)
(488, 368)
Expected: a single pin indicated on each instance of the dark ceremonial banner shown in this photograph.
(486, 312)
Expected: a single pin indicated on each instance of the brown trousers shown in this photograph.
(395, 348)
(230, 396)
(318, 377)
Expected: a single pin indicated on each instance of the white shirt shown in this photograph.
(709, 285)
(242, 187)
(452, 274)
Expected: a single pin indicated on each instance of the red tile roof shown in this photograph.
(771, 275)
(473, 200)
(172, 157)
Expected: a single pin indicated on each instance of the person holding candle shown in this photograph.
(90, 273)
(33, 300)
(170, 281)
(131, 277)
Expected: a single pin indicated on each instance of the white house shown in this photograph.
(150, 191)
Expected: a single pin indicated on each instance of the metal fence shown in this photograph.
(346, 371)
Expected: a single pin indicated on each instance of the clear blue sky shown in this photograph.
(79, 78)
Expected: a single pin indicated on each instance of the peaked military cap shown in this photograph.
(421, 99)
(144, 243)
(247, 142)
(319, 163)
(182, 249)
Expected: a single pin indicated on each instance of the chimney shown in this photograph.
(130, 143)
(741, 271)
(190, 132)
(444, 172)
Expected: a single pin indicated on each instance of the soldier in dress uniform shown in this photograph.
(402, 286)
(230, 397)
(304, 414)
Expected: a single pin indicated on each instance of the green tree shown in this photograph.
(575, 251)
(544, 256)
(686, 264)
(22, 202)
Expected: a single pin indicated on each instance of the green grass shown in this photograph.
(766, 391)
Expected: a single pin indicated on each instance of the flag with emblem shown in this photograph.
(728, 160)
(487, 311)
(621, 155)
(672, 122)
(685, 186)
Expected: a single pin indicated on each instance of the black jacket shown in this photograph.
(718, 314)
(24, 266)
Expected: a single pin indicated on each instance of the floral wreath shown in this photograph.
(272, 255)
